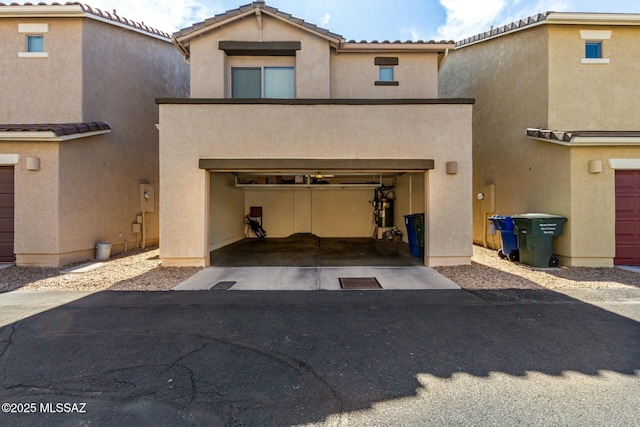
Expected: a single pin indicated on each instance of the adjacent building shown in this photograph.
(295, 119)
(556, 128)
(78, 142)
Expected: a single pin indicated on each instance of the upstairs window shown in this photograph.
(35, 43)
(386, 74)
(34, 40)
(386, 71)
(593, 50)
(594, 41)
(263, 82)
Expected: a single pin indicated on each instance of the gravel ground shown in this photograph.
(140, 270)
(488, 271)
(137, 270)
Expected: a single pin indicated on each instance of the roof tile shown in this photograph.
(59, 129)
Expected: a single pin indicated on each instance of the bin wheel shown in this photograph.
(554, 262)
(514, 255)
(501, 254)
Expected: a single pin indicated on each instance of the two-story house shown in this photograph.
(297, 120)
(556, 128)
(78, 143)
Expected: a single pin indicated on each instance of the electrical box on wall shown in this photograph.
(147, 198)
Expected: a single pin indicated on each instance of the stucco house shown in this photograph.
(78, 143)
(556, 128)
(290, 117)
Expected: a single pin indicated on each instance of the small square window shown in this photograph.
(593, 50)
(35, 43)
(386, 74)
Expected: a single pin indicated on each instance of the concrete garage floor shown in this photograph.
(307, 263)
(308, 250)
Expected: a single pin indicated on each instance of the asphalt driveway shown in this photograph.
(322, 358)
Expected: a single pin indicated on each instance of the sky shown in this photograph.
(369, 19)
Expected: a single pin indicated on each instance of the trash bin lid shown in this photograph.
(537, 216)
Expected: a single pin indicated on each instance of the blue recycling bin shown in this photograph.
(509, 238)
(415, 233)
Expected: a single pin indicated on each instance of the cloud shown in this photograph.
(164, 15)
(325, 19)
(466, 18)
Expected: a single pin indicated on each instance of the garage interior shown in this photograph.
(314, 218)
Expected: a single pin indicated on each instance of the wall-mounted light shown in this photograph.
(33, 163)
(452, 168)
(595, 166)
(480, 196)
(147, 195)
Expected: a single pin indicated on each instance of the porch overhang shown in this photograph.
(586, 138)
(302, 165)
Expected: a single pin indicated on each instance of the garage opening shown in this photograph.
(314, 217)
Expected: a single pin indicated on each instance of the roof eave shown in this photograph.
(183, 40)
(593, 18)
(46, 136)
(395, 47)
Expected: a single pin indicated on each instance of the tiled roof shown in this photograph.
(514, 26)
(60, 129)
(100, 13)
(251, 6)
(403, 42)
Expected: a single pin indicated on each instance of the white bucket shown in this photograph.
(103, 251)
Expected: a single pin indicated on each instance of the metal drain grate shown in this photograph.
(359, 283)
(222, 286)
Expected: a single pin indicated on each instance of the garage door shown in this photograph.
(6, 214)
(627, 218)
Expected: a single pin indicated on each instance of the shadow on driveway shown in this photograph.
(285, 358)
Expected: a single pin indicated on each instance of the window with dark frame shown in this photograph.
(263, 82)
(593, 50)
(386, 71)
(35, 43)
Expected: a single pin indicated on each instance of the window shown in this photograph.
(593, 50)
(386, 74)
(34, 40)
(262, 82)
(594, 41)
(386, 71)
(35, 43)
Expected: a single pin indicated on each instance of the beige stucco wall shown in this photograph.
(535, 78)
(36, 198)
(353, 75)
(227, 211)
(87, 190)
(593, 96)
(29, 81)
(508, 77)
(441, 132)
(209, 67)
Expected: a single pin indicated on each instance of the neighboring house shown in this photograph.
(556, 128)
(295, 119)
(78, 134)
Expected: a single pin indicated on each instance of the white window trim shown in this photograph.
(33, 28)
(595, 35)
(33, 54)
(594, 61)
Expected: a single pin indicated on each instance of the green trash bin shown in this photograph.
(535, 238)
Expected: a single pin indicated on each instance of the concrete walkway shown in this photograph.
(315, 278)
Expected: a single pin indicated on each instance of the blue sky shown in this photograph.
(370, 19)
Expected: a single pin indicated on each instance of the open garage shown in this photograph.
(313, 213)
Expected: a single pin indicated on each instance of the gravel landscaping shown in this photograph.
(140, 270)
